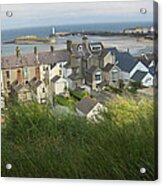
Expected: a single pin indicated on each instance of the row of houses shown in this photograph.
(40, 75)
(139, 30)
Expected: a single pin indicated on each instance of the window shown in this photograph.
(60, 72)
(147, 80)
(7, 74)
(98, 77)
(80, 48)
(115, 75)
(43, 90)
(25, 73)
(8, 84)
(44, 68)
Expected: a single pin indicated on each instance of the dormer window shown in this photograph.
(95, 47)
(80, 48)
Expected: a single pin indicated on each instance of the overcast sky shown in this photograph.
(33, 15)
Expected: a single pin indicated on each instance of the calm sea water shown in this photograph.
(9, 49)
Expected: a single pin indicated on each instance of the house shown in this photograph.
(74, 81)
(89, 108)
(39, 90)
(59, 85)
(93, 77)
(112, 74)
(145, 78)
(20, 92)
(147, 59)
(47, 64)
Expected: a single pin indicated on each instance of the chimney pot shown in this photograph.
(17, 51)
(69, 45)
(38, 73)
(52, 49)
(35, 50)
(19, 77)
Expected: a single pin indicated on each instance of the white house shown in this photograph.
(138, 66)
(89, 108)
(145, 78)
(59, 85)
(39, 90)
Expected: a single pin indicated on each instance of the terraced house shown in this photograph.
(40, 75)
(29, 76)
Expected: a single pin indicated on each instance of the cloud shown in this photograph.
(30, 14)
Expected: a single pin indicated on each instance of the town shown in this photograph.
(82, 77)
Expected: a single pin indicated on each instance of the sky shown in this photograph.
(35, 15)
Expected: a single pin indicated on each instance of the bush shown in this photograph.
(76, 94)
(39, 143)
(68, 102)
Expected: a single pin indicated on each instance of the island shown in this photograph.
(31, 39)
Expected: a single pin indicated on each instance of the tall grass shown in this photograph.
(38, 143)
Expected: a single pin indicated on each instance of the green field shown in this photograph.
(39, 143)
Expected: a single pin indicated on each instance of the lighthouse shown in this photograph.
(53, 32)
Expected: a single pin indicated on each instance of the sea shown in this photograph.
(44, 31)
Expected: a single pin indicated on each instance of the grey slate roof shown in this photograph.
(146, 59)
(126, 62)
(92, 69)
(139, 75)
(86, 105)
(10, 62)
(85, 53)
(35, 83)
(18, 87)
(108, 67)
(152, 70)
(53, 57)
(113, 50)
(55, 78)
(74, 76)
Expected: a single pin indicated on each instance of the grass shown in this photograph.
(68, 102)
(38, 143)
(78, 96)
(34, 38)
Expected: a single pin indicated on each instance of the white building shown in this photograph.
(59, 85)
(145, 78)
(89, 108)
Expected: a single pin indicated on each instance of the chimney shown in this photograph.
(38, 73)
(19, 77)
(17, 51)
(51, 49)
(35, 50)
(69, 44)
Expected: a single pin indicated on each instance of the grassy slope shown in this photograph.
(39, 144)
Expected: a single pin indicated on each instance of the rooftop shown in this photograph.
(11, 62)
(86, 104)
(139, 75)
(55, 78)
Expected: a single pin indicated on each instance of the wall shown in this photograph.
(94, 112)
(109, 58)
(148, 80)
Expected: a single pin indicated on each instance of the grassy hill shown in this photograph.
(38, 143)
